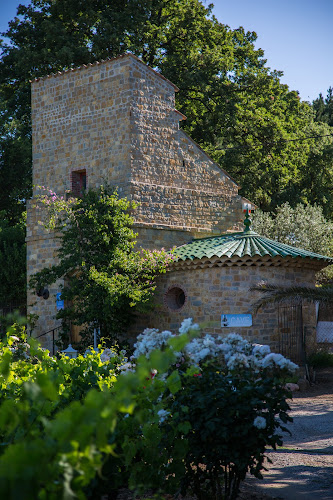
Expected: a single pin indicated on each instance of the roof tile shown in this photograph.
(246, 244)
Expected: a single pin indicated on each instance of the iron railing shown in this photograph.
(53, 331)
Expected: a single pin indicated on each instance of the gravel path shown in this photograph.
(303, 467)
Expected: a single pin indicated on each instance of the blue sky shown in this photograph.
(295, 35)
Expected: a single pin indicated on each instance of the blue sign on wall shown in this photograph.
(236, 320)
(60, 302)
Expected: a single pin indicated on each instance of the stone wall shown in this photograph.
(213, 291)
(80, 120)
(41, 252)
(176, 183)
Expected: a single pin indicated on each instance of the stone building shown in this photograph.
(116, 122)
(211, 283)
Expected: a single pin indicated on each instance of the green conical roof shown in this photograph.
(241, 245)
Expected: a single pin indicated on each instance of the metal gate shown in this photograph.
(290, 335)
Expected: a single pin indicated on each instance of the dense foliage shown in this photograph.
(324, 107)
(237, 108)
(322, 358)
(82, 428)
(104, 276)
(302, 226)
(275, 146)
(12, 262)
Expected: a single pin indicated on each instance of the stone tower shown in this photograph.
(116, 121)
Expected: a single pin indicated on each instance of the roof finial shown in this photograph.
(247, 220)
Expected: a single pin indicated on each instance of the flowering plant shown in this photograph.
(228, 403)
(232, 351)
(104, 277)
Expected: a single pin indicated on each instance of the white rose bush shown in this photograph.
(221, 401)
(187, 412)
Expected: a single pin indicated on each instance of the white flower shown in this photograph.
(200, 348)
(162, 415)
(188, 325)
(260, 350)
(234, 338)
(260, 423)
(225, 349)
(150, 340)
(234, 343)
(278, 360)
(204, 353)
(236, 351)
(127, 367)
(238, 360)
(106, 355)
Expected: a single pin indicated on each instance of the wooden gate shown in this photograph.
(291, 336)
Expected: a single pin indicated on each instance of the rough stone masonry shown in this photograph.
(116, 121)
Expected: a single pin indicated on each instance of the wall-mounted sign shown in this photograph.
(60, 302)
(236, 320)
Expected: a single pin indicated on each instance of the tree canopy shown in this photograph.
(303, 226)
(236, 107)
(12, 263)
(324, 108)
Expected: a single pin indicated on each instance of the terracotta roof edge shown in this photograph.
(103, 61)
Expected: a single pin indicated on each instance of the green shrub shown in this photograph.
(321, 359)
(219, 413)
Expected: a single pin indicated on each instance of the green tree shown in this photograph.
(104, 277)
(237, 108)
(303, 226)
(12, 263)
(316, 178)
(324, 107)
(15, 164)
(262, 146)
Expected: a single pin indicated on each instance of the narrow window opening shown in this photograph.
(78, 182)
